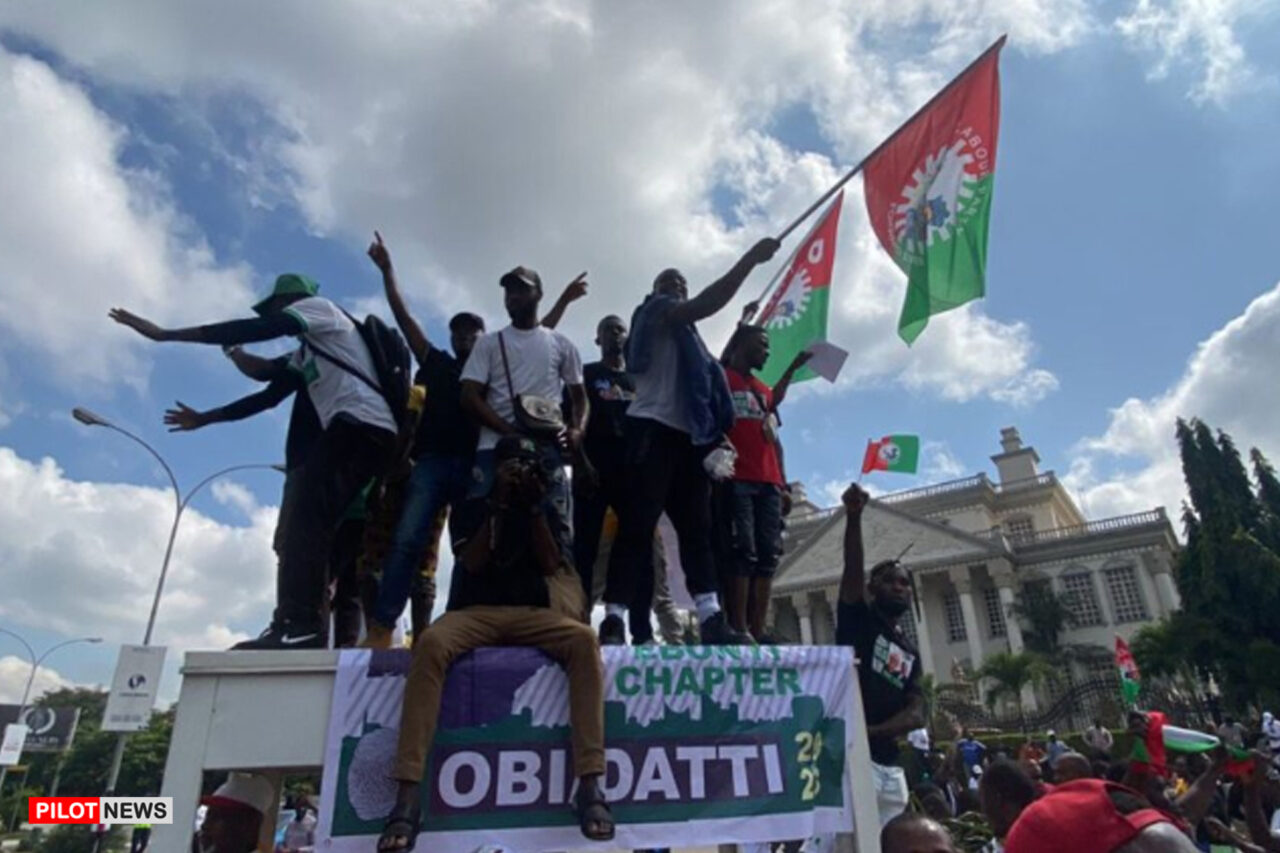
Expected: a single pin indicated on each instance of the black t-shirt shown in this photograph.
(443, 427)
(609, 392)
(512, 577)
(888, 669)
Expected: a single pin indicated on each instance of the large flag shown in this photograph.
(796, 316)
(899, 453)
(1130, 678)
(928, 192)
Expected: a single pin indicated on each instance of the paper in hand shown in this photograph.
(827, 359)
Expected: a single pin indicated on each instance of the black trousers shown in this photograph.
(344, 559)
(589, 509)
(343, 460)
(663, 473)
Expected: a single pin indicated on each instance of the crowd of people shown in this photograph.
(539, 465)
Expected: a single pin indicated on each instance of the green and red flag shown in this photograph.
(1130, 679)
(928, 192)
(796, 316)
(892, 453)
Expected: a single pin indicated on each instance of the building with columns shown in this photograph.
(974, 544)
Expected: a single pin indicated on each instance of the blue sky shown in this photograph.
(176, 168)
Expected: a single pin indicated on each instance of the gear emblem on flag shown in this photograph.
(791, 302)
(934, 199)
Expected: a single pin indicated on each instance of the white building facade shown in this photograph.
(974, 545)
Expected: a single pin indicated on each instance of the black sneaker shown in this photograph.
(613, 631)
(286, 635)
(716, 631)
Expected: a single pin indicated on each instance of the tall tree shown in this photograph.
(1229, 571)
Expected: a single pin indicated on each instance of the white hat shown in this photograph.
(1051, 733)
(241, 790)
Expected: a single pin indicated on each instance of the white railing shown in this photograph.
(1092, 528)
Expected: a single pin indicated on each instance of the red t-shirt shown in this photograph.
(757, 456)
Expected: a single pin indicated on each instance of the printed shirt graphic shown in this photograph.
(891, 661)
(928, 195)
(757, 454)
(333, 390)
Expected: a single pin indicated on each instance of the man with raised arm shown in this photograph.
(681, 412)
(358, 438)
(888, 664)
(442, 453)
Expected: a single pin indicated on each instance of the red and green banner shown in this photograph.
(899, 453)
(928, 193)
(796, 316)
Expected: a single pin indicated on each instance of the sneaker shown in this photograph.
(716, 631)
(286, 635)
(643, 641)
(766, 639)
(613, 631)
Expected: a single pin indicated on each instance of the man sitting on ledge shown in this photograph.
(516, 588)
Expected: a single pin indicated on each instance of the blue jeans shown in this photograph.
(437, 481)
(756, 515)
(557, 505)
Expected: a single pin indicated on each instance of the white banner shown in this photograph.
(15, 735)
(133, 689)
(706, 744)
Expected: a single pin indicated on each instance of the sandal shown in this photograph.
(404, 823)
(595, 819)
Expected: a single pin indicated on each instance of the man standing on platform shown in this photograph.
(681, 412)
(888, 664)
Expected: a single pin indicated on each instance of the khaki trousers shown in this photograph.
(567, 640)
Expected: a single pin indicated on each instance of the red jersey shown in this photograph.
(757, 455)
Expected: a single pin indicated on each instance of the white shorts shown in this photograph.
(892, 795)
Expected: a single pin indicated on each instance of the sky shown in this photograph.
(173, 157)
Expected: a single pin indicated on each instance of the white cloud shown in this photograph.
(79, 234)
(14, 672)
(938, 463)
(1229, 383)
(83, 558)
(572, 135)
(1196, 34)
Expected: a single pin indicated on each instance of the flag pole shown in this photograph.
(999, 43)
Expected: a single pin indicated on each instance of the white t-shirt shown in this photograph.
(332, 389)
(542, 361)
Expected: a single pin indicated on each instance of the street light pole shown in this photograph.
(31, 677)
(181, 502)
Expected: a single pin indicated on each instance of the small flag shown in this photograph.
(1130, 679)
(899, 453)
(928, 191)
(1149, 751)
(796, 316)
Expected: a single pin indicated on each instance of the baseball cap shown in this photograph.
(289, 284)
(243, 790)
(1081, 817)
(522, 276)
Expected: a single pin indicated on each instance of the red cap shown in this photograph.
(1079, 817)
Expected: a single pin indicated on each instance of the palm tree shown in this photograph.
(1045, 616)
(1008, 673)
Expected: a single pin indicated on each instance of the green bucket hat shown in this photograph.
(289, 284)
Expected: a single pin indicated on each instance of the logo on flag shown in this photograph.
(942, 196)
